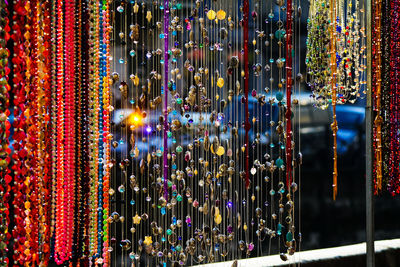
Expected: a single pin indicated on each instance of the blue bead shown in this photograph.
(279, 96)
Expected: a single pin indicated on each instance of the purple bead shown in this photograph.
(251, 246)
(230, 229)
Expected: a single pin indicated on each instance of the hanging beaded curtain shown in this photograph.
(204, 155)
(54, 129)
(154, 132)
(336, 58)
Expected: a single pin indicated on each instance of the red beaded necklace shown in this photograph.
(19, 136)
(5, 178)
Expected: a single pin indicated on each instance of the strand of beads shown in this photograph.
(377, 78)
(386, 22)
(106, 133)
(394, 181)
(78, 121)
(5, 177)
(333, 78)
(60, 249)
(19, 135)
(54, 120)
(44, 134)
(93, 122)
(289, 84)
(31, 178)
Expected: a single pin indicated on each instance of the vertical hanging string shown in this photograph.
(378, 119)
(165, 157)
(246, 86)
(289, 32)
(334, 124)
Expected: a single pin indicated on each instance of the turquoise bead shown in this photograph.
(279, 229)
(279, 96)
(289, 236)
(279, 162)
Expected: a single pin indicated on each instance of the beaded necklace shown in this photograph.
(386, 23)
(106, 134)
(19, 136)
(60, 234)
(333, 66)
(289, 84)
(93, 130)
(5, 177)
(377, 78)
(394, 181)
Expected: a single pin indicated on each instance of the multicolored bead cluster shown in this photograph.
(336, 58)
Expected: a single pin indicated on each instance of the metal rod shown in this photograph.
(369, 194)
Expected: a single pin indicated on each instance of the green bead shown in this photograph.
(179, 149)
(179, 198)
(279, 34)
(289, 236)
(179, 101)
(169, 134)
(169, 232)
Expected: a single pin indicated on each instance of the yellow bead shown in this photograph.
(136, 219)
(136, 8)
(147, 240)
(211, 14)
(218, 219)
(220, 82)
(221, 14)
(136, 80)
(220, 151)
(148, 16)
